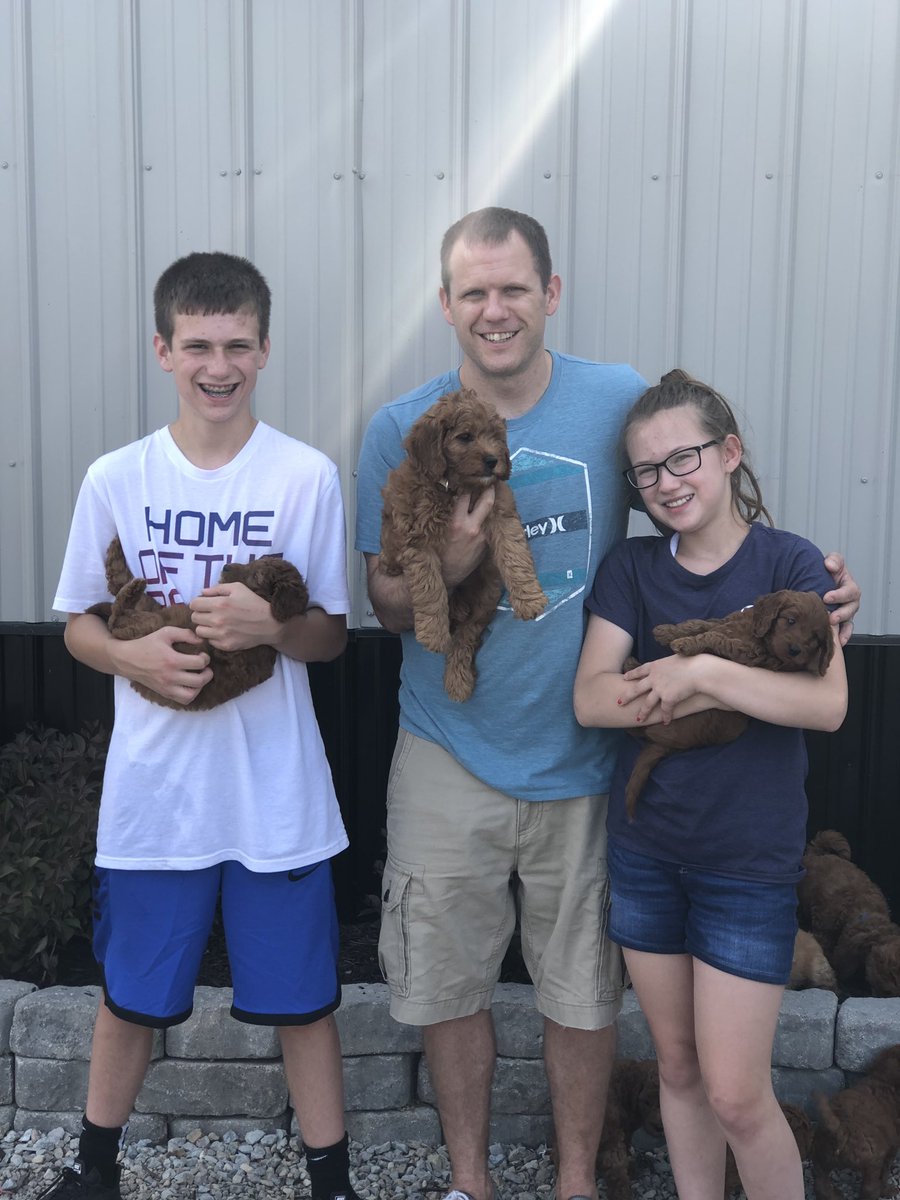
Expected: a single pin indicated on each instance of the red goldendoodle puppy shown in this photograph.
(134, 614)
(458, 446)
(783, 631)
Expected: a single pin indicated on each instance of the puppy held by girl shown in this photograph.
(703, 880)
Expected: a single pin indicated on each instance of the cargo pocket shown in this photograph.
(393, 942)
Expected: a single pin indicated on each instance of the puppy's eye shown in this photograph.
(791, 620)
(465, 436)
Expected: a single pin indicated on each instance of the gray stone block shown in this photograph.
(797, 1087)
(7, 1116)
(212, 1033)
(182, 1087)
(6, 1079)
(366, 1025)
(522, 1129)
(58, 1022)
(149, 1127)
(378, 1081)
(50, 1084)
(519, 1086)
(804, 1036)
(419, 1123)
(518, 1024)
(865, 1026)
(11, 992)
(634, 1040)
(182, 1127)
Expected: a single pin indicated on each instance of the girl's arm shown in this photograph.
(602, 696)
(797, 699)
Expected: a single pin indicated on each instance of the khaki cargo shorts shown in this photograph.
(456, 848)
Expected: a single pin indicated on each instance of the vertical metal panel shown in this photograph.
(718, 180)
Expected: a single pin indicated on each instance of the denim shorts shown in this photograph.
(740, 926)
(151, 928)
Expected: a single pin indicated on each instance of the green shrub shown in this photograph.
(49, 796)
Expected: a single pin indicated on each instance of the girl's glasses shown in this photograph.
(682, 462)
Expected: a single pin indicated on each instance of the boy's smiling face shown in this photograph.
(214, 359)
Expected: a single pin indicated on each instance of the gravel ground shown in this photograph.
(269, 1167)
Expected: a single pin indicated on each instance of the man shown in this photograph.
(500, 802)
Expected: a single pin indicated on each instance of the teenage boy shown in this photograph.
(236, 802)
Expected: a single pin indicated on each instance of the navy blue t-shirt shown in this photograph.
(741, 808)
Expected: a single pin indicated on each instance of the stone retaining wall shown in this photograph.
(214, 1073)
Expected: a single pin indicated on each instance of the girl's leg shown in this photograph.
(734, 1022)
(664, 984)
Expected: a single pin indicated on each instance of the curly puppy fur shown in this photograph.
(134, 614)
(860, 1129)
(801, 1128)
(632, 1104)
(783, 631)
(809, 966)
(849, 915)
(458, 446)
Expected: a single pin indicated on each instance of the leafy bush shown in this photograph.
(49, 796)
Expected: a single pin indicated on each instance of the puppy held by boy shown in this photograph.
(133, 614)
(457, 447)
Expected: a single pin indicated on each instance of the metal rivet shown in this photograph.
(879, 174)
(223, 173)
(439, 175)
(654, 177)
(547, 175)
(863, 479)
(337, 175)
(238, 171)
(257, 171)
(768, 174)
(5, 166)
(12, 462)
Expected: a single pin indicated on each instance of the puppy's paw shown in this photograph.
(433, 635)
(528, 607)
(665, 634)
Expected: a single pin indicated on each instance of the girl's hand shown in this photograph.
(663, 684)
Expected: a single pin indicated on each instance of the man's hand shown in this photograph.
(845, 593)
(466, 542)
(231, 617)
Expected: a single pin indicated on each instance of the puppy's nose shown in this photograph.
(793, 651)
(489, 463)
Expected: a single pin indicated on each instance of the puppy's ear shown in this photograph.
(424, 443)
(765, 613)
(826, 651)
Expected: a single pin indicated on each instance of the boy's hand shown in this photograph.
(845, 593)
(231, 617)
(154, 662)
(466, 542)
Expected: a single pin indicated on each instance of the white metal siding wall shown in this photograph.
(718, 178)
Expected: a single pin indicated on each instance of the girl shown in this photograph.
(703, 881)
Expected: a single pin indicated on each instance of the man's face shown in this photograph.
(497, 306)
(214, 359)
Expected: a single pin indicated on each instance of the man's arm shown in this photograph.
(152, 660)
(845, 594)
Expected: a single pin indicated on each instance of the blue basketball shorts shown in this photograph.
(151, 929)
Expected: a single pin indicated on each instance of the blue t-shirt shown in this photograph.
(518, 731)
(739, 808)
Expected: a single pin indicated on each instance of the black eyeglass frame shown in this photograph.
(665, 463)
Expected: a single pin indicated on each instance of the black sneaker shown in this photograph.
(72, 1185)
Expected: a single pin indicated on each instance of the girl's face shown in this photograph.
(686, 503)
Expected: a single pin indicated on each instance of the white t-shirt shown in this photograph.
(247, 781)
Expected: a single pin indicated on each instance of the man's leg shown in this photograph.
(461, 1055)
(312, 1064)
(578, 1062)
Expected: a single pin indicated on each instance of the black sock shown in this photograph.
(329, 1171)
(98, 1149)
